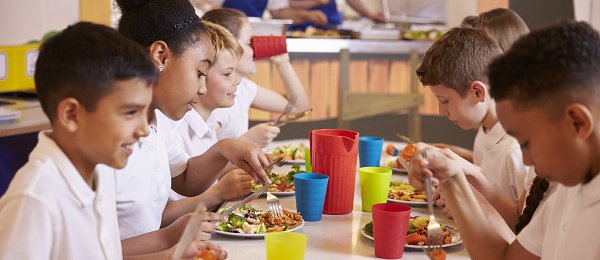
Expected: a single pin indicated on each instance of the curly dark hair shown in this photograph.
(555, 65)
(536, 195)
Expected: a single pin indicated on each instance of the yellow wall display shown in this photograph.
(17, 67)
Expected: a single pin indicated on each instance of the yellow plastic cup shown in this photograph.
(285, 245)
(374, 186)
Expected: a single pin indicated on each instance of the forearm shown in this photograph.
(304, 4)
(506, 208)
(297, 16)
(293, 87)
(201, 172)
(175, 209)
(479, 236)
(148, 243)
(359, 7)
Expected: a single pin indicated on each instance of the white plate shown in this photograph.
(410, 203)
(385, 159)
(255, 235)
(9, 114)
(456, 239)
(294, 161)
(283, 193)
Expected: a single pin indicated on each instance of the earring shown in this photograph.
(161, 67)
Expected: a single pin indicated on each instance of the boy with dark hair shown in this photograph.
(547, 88)
(455, 69)
(95, 85)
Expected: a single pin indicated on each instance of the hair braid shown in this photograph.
(536, 195)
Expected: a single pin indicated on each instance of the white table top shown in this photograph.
(334, 237)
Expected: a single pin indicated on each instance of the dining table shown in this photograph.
(335, 236)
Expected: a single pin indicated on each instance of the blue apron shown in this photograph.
(252, 8)
(330, 10)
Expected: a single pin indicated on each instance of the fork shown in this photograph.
(435, 238)
(274, 205)
(288, 108)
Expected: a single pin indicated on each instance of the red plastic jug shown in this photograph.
(333, 152)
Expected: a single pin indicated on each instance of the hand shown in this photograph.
(246, 155)
(377, 17)
(431, 162)
(440, 202)
(175, 230)
(234, 184)
(281, 59)
(196, 247)
(316, 17)
(262, 134)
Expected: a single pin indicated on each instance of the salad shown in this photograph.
(417, 231)
(248, 220)
(281, 182)
(290, 152)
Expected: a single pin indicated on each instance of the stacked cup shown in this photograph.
(390, 225)
(369, 150)
(285, 246)
(374, 186)
(310, 195)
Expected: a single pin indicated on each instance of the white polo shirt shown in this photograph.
(197, 135)
(49, 211)
(144, 185)
(500, 159)
(234, 120)
(565, 226)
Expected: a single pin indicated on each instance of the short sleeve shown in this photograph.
(277, 4)
(178, 158)
(518, 172)
(26, 230)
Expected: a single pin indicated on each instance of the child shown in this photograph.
(455, 70)
(95, 86)
(546, 87)
(180, 49)
(234, 120)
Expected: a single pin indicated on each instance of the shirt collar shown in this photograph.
(197, 123)
(590, 192)
(47, 148)
(493, 136)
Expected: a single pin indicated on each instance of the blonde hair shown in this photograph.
(222, 39)
(504, 25)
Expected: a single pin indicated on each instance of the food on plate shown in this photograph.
(248, 220)
(403, 191)
(315, 32)
(205, 255)
(391, 150)
(407, 153)
(417, 231)
(421, 35)
(290, 152)
(281, 182)
(439, 254)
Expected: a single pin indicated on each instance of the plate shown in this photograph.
(294, 161)
(385, 162)
(283, 193)
(456, 238)
(410, 203)
(9, 114)
(255, 235)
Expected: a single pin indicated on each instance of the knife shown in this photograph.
(252, 196)
(294, 118)
(189, 232)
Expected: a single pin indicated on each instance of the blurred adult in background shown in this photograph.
(329, 8)
(279, 9)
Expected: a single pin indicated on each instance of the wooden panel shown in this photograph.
(359, 76)
(378, 76)
(399, 80)
(95, 11)
(334, 83)
(486, 5)
(262, 78)
(319, 88)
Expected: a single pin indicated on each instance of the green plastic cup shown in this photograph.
(307, 160)
(285, 245)
(374, 186)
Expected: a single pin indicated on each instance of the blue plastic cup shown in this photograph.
(369, 151)
(310, 195)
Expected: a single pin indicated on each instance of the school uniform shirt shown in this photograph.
(144, 185)
(50, 212)
(565, 227)
(500, 159)
(197, 135)
(234, 120)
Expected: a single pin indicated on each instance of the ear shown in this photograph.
(479, 90)
(67, 114)
(159, 53)
(580, 119)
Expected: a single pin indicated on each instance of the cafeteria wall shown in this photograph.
(25, 20)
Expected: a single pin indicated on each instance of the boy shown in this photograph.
(95, 86)
(455, 70)
(546, 87)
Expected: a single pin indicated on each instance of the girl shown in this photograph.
(234, 120)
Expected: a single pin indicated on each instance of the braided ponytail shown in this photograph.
(536, 194)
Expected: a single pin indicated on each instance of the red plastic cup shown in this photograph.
(333, 152)
(390, 225)
(267, 46)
